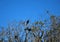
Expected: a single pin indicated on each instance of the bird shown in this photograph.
(27, 22)
(29, 29)
(16, 37)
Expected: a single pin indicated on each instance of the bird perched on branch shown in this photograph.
(29, 29)
(16, 37)
(27, 22)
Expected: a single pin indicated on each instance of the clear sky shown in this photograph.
(11, 10)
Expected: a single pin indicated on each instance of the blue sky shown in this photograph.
(11, 10)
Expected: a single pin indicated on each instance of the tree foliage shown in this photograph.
(24, 31)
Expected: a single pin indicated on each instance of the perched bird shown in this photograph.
(27, 22)
(16, 37)
(29, 29)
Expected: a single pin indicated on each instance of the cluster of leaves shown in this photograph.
(54, 33)
(24, 31)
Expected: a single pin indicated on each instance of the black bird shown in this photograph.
(16, 37)
(27, 22)
(29, 29)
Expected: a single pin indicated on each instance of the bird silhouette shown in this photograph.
(16, 37)
(29, 29)
(27, 22)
